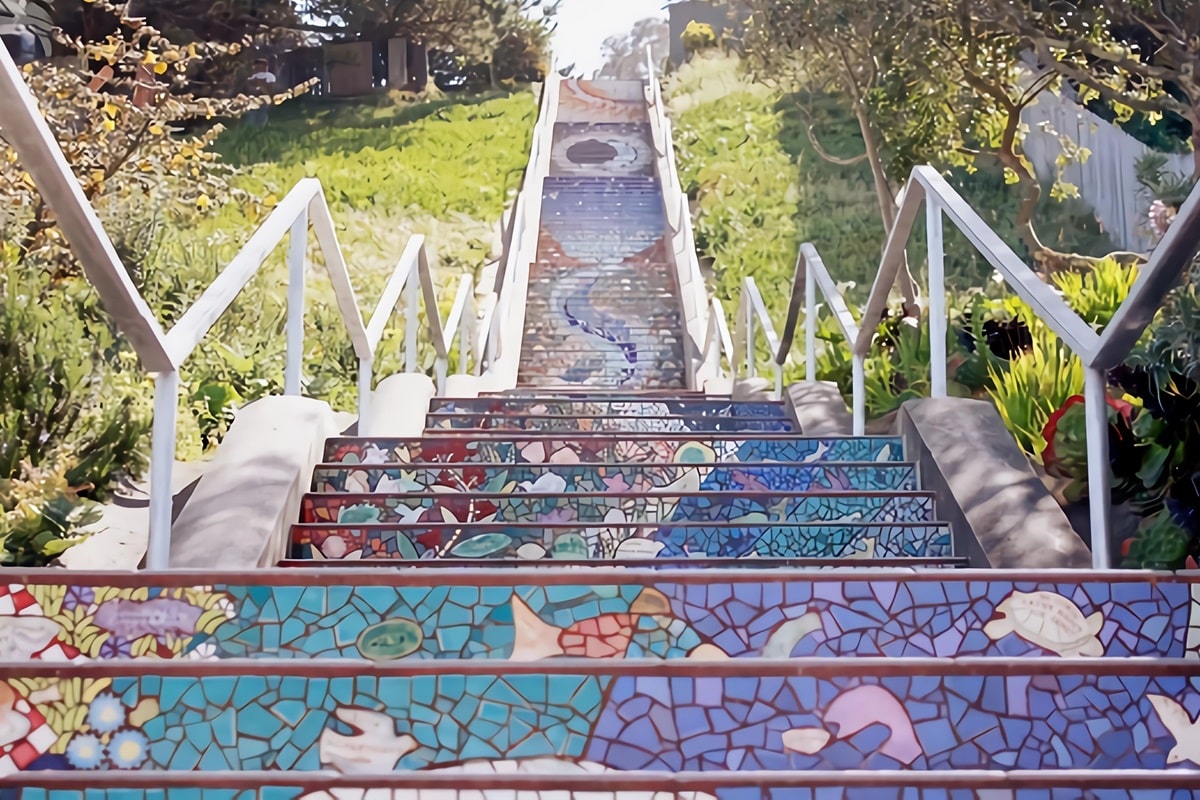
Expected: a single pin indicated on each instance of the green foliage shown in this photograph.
(1097, 293)
(1160, 543)
(1034, 386)
(42, 513)
(731, 162)
(390, 169)
(71, 419)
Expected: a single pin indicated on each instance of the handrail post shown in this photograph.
(466, 332)
(1099, 493)
(411, 319)
(859, 390)
(748, 311)
(810, 322)
(937, 294)
(162, 462)
(297, 250)
(366, 370)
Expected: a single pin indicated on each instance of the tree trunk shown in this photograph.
(883, 190)
(887, 206)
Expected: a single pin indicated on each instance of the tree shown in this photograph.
(930, 81)
(843, 45)
(625, 56)
(1138, 55)
(121, 147)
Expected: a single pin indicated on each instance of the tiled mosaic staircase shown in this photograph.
(599, 586)
(627, 479)
(603, 306)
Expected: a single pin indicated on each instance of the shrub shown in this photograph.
(72, 420)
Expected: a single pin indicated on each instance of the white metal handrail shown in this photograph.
(163, 353)
(503, 321)
(694, 294)
(752, 317)
(1098, 351)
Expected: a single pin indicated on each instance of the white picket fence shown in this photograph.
(1107, 180)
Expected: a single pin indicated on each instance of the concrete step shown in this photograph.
(532, 447)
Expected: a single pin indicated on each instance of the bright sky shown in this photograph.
(583, 25)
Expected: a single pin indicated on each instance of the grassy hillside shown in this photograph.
(443, 168)
(762, 188)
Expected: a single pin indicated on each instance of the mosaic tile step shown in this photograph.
(601, 379)
(658, 272)
(665, 505)
(323, 613)
(655, 314)
(637, 407)
(615, 477)
(619, 286)
(587, 367)
(607, 448)
(604, 423)
(669, 716)
(611, 185)
(650, 331)
(527, 392)
(553, 335)
(590, 377)
(529, 780)
(621, 540)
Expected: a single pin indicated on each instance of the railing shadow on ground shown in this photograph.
(1099, 350)
(164, 352)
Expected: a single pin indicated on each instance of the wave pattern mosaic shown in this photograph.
(603, 307)
(308, 716)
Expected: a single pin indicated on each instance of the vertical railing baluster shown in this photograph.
(810, 323)
(859, 392)
(297, 251)
(411, 321)
(366, 369)
(1099, 473)
(937, 295)
(162, 463)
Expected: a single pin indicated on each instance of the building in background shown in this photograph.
(725, 17)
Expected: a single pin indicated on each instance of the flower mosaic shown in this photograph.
(51, 723)
(620, 540)
(612, 477)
